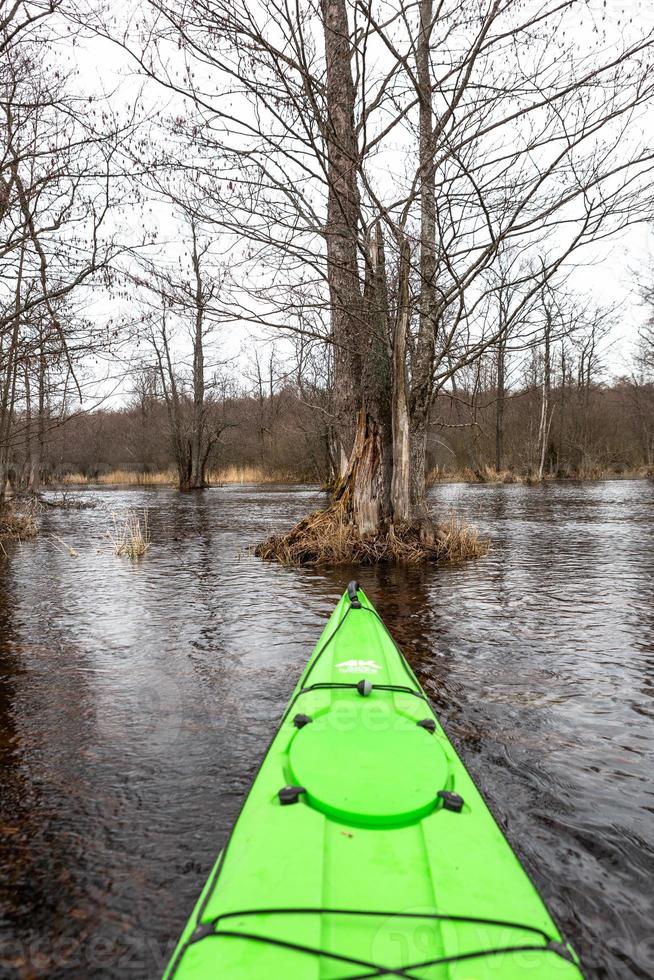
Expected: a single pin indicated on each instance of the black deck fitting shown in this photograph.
(301, 720)
(352, 589)
(451, 801)
(428, 724)
(290, 794)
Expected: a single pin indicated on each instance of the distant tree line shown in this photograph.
(550, 411)
(597, 431)
(272, 432)
(594, 429)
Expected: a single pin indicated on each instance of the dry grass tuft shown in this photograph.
(165, 478)
(326, 538)
(249, 474)
(127, 478)
(440, 475)
(460, 541)
(131, 538)
(18, 523)
(490, 475)
(467, 475)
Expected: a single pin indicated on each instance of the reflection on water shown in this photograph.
(136, 701)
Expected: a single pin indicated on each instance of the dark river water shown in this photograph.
(136, 700)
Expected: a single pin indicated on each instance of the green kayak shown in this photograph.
(364, 849)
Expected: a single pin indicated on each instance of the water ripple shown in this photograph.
(136, 702)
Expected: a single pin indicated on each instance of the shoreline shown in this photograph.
(526, 481)
(234, 477)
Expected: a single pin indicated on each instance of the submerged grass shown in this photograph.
(327, 538)
(63, 546)
(130, 537)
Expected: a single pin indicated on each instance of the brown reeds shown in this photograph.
(18, 523)
(225, 474)
(63, 546)
(130, 536)
(126, 478)
(250, 474)
(467, 475)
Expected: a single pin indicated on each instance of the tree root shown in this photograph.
(326, 537)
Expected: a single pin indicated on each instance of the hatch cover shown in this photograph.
(374, 769)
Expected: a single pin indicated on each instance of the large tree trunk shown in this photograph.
(423, 362)
(181, 446)
(377, 381)
(27, 477)
(362, 490)
(499, 405)
(359, 319)
(8, 388)
(37, 444)
(198, 436)
(545, 417)
(401, 486)
(343, 223)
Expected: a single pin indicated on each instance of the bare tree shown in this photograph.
(546, 411)
(184, 302)
(55, 196)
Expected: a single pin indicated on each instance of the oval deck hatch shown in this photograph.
(369, 765)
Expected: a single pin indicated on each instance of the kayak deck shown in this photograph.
(364, 848)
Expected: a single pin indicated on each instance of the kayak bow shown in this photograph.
(364, 849)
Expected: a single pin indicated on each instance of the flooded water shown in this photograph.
(136, 700)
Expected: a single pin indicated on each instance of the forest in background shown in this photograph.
(282, 433)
